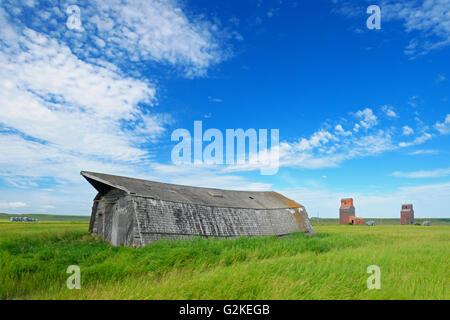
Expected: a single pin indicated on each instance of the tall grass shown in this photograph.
(329, 265)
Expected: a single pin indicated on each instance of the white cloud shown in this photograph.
(413, 101)
(440, 78)
(418, 140)
(438, 173)
(429, 17)
(317, 139)
(444, 127)
(321, 149)
(324, 149)
(217, 100)
(407, 130)
(389, 111)
(64, 110)
(368, 118)
(162, 32)
(420, 152)
(48, 207)
(51, 97)
(35, 160)
(12, 205)
(340, 131)
(20, 182)
(158, 30)
(425, 22)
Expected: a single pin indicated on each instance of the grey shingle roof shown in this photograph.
(186, 194)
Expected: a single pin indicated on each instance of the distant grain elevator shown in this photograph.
(346, 211)
(407, 214)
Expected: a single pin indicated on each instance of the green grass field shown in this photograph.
(46, 217)
(414, 263)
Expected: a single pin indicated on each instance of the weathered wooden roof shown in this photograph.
(186, 194)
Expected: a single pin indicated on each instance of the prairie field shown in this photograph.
(332, 264)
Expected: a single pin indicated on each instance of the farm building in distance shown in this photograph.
(135, 212)
(407, 214)
(346, 211)
(355, 220)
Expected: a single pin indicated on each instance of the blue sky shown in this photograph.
(361, 113)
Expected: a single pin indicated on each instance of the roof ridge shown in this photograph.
(84, 173)
(189, 194)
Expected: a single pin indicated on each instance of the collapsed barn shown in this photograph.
(135, 212)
